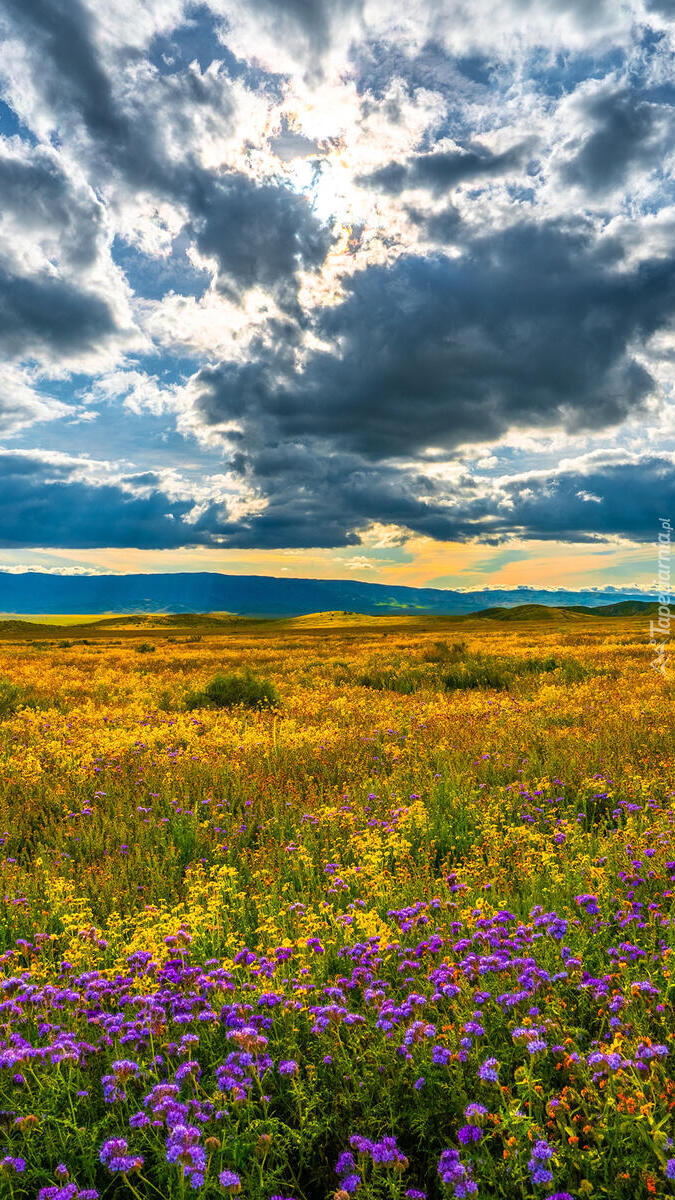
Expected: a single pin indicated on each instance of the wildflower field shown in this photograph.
(398, 925)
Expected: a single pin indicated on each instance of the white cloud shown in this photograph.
(22, 404)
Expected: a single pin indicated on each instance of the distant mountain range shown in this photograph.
(268, 596)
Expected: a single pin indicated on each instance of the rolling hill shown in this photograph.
(572, 612)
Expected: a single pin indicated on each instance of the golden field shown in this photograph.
(448, 842)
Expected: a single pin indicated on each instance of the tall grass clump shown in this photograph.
(228, 689)
(14, 697)
(498, 673)
(404, 681)
(441, 652)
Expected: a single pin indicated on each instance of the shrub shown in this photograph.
(441, 652)
(405, 682)
(13, 697)
(477, 674)
(232, 688)
(534, 666)
(145, 648)
(456, 670)
(572, 671)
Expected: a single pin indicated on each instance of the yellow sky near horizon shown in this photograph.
(420, 562)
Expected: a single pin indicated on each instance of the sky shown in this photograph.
(338, 288)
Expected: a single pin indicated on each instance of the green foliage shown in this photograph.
(145, 648)
(455, 670)
(226, 690)
(13, 697)
(441, 652)
(403, 681)
(498, 673)
(477, 674)
(572, 671)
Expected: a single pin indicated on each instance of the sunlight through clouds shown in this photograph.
(373, 267)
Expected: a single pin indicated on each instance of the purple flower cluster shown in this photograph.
(183, 1150)
(12, 1166)
(422, 1001)
(541, 1154)
(384, 1153)
(457, 1176)
(345, 1169)
(68, 1191)
(114, 1155)
(487, 1071)
(230, 1181)
(473, 1130)
(589, 903)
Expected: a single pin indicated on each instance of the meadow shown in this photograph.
(400, 925)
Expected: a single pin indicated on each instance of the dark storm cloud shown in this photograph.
(624, 132)
(258, 233)
(442, 227)
(44, 505)
(521, 327)
(440, 171)
(327, 501)
(535, 326)
(624, 499)
(72, 79)
(323, 500)
(315, 502)
(311, 503)
(38, 194)
(44, 313)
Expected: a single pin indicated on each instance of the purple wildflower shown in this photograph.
(468, 1134)
(488, 1071)
(539, 1172)
(474, 1113)
(453, 1172)
(350, 1183)
(345, 1163)
(441, 1055)
(114, 1155)
(230, 1181)
(183, 1150)
(15, 1165)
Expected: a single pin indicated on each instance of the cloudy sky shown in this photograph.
(338, 288)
